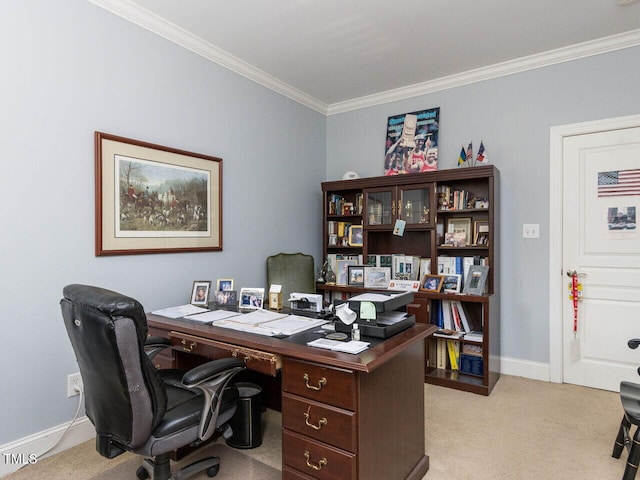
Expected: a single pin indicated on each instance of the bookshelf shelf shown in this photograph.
(379, 203)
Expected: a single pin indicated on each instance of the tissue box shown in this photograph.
(307, 302)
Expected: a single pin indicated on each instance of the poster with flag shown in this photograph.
(470, 154)
(619, 183)
(481, 159)
(462, 159)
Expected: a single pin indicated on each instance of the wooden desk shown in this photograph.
(344, 417)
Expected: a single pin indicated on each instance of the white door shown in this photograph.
(601, 241)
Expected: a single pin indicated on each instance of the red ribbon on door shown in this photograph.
(575, 293)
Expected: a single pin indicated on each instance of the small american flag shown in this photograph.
(619, 183)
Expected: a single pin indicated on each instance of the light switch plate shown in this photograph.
(531, 230)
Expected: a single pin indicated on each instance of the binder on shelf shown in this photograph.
(453, 347)
(471, 364)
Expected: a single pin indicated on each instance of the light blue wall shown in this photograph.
(513, 116)
(70, 68)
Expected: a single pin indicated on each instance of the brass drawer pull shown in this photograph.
(318, 467)
(189, 348)
(236, 353)
(321, 382)
(321, 422)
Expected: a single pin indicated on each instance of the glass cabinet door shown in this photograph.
(415, 205)
(379, 205)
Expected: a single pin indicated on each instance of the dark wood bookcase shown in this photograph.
(427, 202)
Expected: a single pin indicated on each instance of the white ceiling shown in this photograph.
(336, 55)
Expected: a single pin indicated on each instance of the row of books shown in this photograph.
(450, 354)
(459, 265)
(339, 206)
(453, 315)
(450, 199)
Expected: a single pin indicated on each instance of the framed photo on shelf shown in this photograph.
(355, 236)
(251, 297)
(132, 176)
(459, 226)
(355, 276)
(476, 280)
(224, 284)
(432, 283)
(200, 293)
(342, 271)
(451, 283)
(377, 277)
(481, 232)
(226, 297)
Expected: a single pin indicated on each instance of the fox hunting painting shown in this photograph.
(154, 199)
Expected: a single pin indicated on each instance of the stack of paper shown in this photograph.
(212, 316)
(265, 322)
(180, 311)
(353, 346)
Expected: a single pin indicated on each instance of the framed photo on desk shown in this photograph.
(251, 297)
(200, 293)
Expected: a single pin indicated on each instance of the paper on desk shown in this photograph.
(390, 318)
(265, 322)
(212, 315)
(353, 346)
(179, 311)
(376, 297)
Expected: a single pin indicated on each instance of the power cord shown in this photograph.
(78, 389)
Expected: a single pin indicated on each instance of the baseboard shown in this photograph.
(34, 448)
(525, 368)
(29, 449)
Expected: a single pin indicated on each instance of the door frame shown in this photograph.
(557, 279)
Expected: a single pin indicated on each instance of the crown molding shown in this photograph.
(173, 33)
(551, 57)
(155, 24)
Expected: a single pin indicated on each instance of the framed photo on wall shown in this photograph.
(412, 142)
(155, 199)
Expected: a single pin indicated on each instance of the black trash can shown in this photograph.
(247, 421)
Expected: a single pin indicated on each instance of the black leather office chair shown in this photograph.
(294, 271)
(133, 406)
(630, 396)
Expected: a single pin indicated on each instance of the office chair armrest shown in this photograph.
(210, 370)
(211, 378)
(154, 345)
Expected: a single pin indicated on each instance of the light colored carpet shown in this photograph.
(525, 430)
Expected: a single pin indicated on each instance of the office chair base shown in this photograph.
(624, 440)
(160, 469)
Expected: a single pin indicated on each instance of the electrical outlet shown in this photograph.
(74, 380)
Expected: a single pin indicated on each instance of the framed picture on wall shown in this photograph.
(412, 142)
(155, 199)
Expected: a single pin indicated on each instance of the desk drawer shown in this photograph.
(318, 421)
(256, 360)
(323, 384)
(316, 459)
